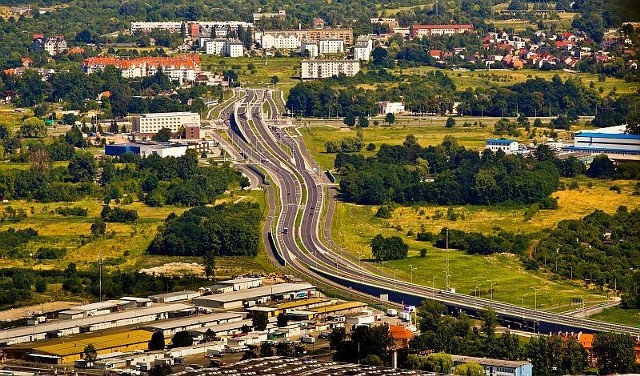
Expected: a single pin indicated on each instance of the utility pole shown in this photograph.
(446, 270)
(535, 298)
(100, 268)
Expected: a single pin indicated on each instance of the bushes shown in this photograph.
(477, 243)
(73, 211)
(391, 248)
(118, 215)
(46, 253)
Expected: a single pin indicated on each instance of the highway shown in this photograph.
(304, 194)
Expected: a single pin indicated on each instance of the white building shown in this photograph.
(503, 144)
(363, 48)
(281, 40)
(214, 46)
(310, 49)
(147, 27)
(233, 48)
(331, 46)
(217, 29)
(612, 141)
(386, 107)
(152, 123)
(243, 283)
(312, 69)
(180, 68)
(172, 297)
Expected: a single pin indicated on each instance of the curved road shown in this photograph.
(302, 196)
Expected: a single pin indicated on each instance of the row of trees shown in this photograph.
(401, 173)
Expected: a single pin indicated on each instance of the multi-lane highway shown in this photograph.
(303, 239)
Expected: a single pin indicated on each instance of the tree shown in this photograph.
(371, 147)
(33, 127)
(391, 248)
(372, 360)
(439, 362)
(41, 285)
(285, 349)
(470, 369)
(451, 122)
(282, 320)
(74, 137)
(210, 265)
(266, 349)
(157, 341)
(363, 121)
(98, 227)
(260, 321)
(82, 167)
(163, 135)
(379, 55)
(390, 118)
(602, 168)
(275, 79)
(182, 339)
(90, 353)
(350, 120)
(489, 322)
(337, 336)
(615, 352)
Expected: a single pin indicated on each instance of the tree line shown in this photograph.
(446, 174)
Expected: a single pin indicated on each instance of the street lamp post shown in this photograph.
(433, 286)
(412, 269)
(475, 290)
(491, 283)
(535, 297)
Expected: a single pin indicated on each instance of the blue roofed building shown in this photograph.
(612, 141)
(502, 144)
(496, 367)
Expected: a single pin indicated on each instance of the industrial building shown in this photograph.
(497, 367)
(614, 142)
(317, 68)
(65, 351)
(153, 122)
(243, 283)
(162, 149)
(176, 296)
(171, 327)
(62, 328)
(258, 295)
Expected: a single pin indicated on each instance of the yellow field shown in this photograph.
(126, 241)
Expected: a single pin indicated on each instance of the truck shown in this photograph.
(405, 316)
(285, 230)
(392, 312)
(308, 339)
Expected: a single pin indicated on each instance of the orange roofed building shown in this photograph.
(181, 68)
(401, 336)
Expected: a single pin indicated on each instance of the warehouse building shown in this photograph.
(243, 283)
(65, 351)
(614, 142)
(497, 367)
(258, 295)
(169, 328)
(176, 296)
(62, 328)
(345, 308)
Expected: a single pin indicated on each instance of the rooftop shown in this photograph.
(281, 288)
(489, 361)
(240, 280)
(66, 347)
(302, 302)
(193, 320)
(500, 141)
(340, 307)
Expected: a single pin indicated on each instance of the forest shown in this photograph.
(221, 230)
(446, 174)
(601, 248)
(435, 93)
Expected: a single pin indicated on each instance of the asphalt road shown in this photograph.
(304, 192)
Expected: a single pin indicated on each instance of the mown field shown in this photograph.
(285, 68)
(621, 316)
(429, 132)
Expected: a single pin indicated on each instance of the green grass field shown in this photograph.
(629, 317)
(317, 134)
(285, 68)
(354, 227)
